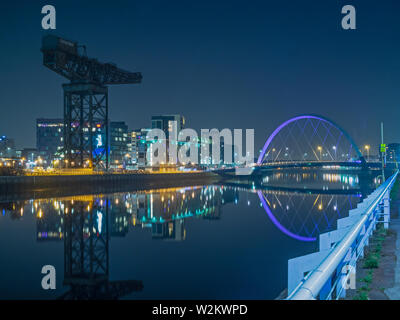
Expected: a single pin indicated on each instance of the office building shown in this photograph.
(30, 154)
(139, 147)
(49, 138)
(119, 143)
(393, 152)
(165, 123)
(7, 147)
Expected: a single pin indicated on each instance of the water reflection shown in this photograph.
(86, 225)
(303, 216)
(162, 212)
(86, 248)
(317, 180)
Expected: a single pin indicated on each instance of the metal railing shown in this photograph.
(327, 280)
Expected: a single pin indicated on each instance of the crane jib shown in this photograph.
(61, 56)
(86, 122)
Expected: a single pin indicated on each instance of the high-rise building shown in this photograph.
(133, 150)
(49, 138)
(119, 143)
(164, 122)
(139, 147)
(7, 147)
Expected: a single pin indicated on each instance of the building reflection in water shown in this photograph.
(300, 215)
(86, 224)
(162, 212)
(313, 180)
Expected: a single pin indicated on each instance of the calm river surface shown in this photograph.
(225, 241)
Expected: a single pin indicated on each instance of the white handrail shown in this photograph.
(313, 283)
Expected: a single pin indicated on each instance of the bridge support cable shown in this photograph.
(307, 138)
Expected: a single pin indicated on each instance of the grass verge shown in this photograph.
(371, 262)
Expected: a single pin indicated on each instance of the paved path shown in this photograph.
(394, 293)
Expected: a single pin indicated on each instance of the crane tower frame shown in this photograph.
(86, 122)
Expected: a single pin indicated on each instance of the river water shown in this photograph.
(222, 241)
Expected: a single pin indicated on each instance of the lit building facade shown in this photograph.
(165, 123)
(393, 152)
(49, 138)
(119, 143)
(133, 150)
(139, 147)
(7, 147)
(30, 154)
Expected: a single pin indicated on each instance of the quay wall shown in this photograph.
(15, 186)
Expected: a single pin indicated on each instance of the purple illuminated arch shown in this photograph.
(306, 116)
(279, 225)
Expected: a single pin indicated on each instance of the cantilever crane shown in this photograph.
(86, 135)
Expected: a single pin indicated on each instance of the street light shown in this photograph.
(334, 148)
(320, 151)
(367, 147)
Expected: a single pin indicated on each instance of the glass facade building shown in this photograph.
(49, 138)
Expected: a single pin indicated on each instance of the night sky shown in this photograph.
(224, 64)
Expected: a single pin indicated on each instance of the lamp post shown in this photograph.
(366, 147)
(334, 148)
(320, 152)
(383, 152)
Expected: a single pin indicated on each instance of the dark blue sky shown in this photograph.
(235, 64)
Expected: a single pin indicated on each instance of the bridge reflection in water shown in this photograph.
(304, 216)
(87, 224)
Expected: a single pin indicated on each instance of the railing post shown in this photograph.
(340, 286)
(345, 252)
(364, 234)
(386, 209)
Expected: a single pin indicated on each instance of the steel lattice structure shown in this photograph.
(308, 138)
(86, 119)
(86, 136)
(322, 212)
(86, 253)
(86, 244)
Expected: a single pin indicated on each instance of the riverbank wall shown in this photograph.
(21, 187)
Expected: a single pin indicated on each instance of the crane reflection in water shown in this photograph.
(86, 224)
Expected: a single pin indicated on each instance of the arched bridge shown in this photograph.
(310, 140)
